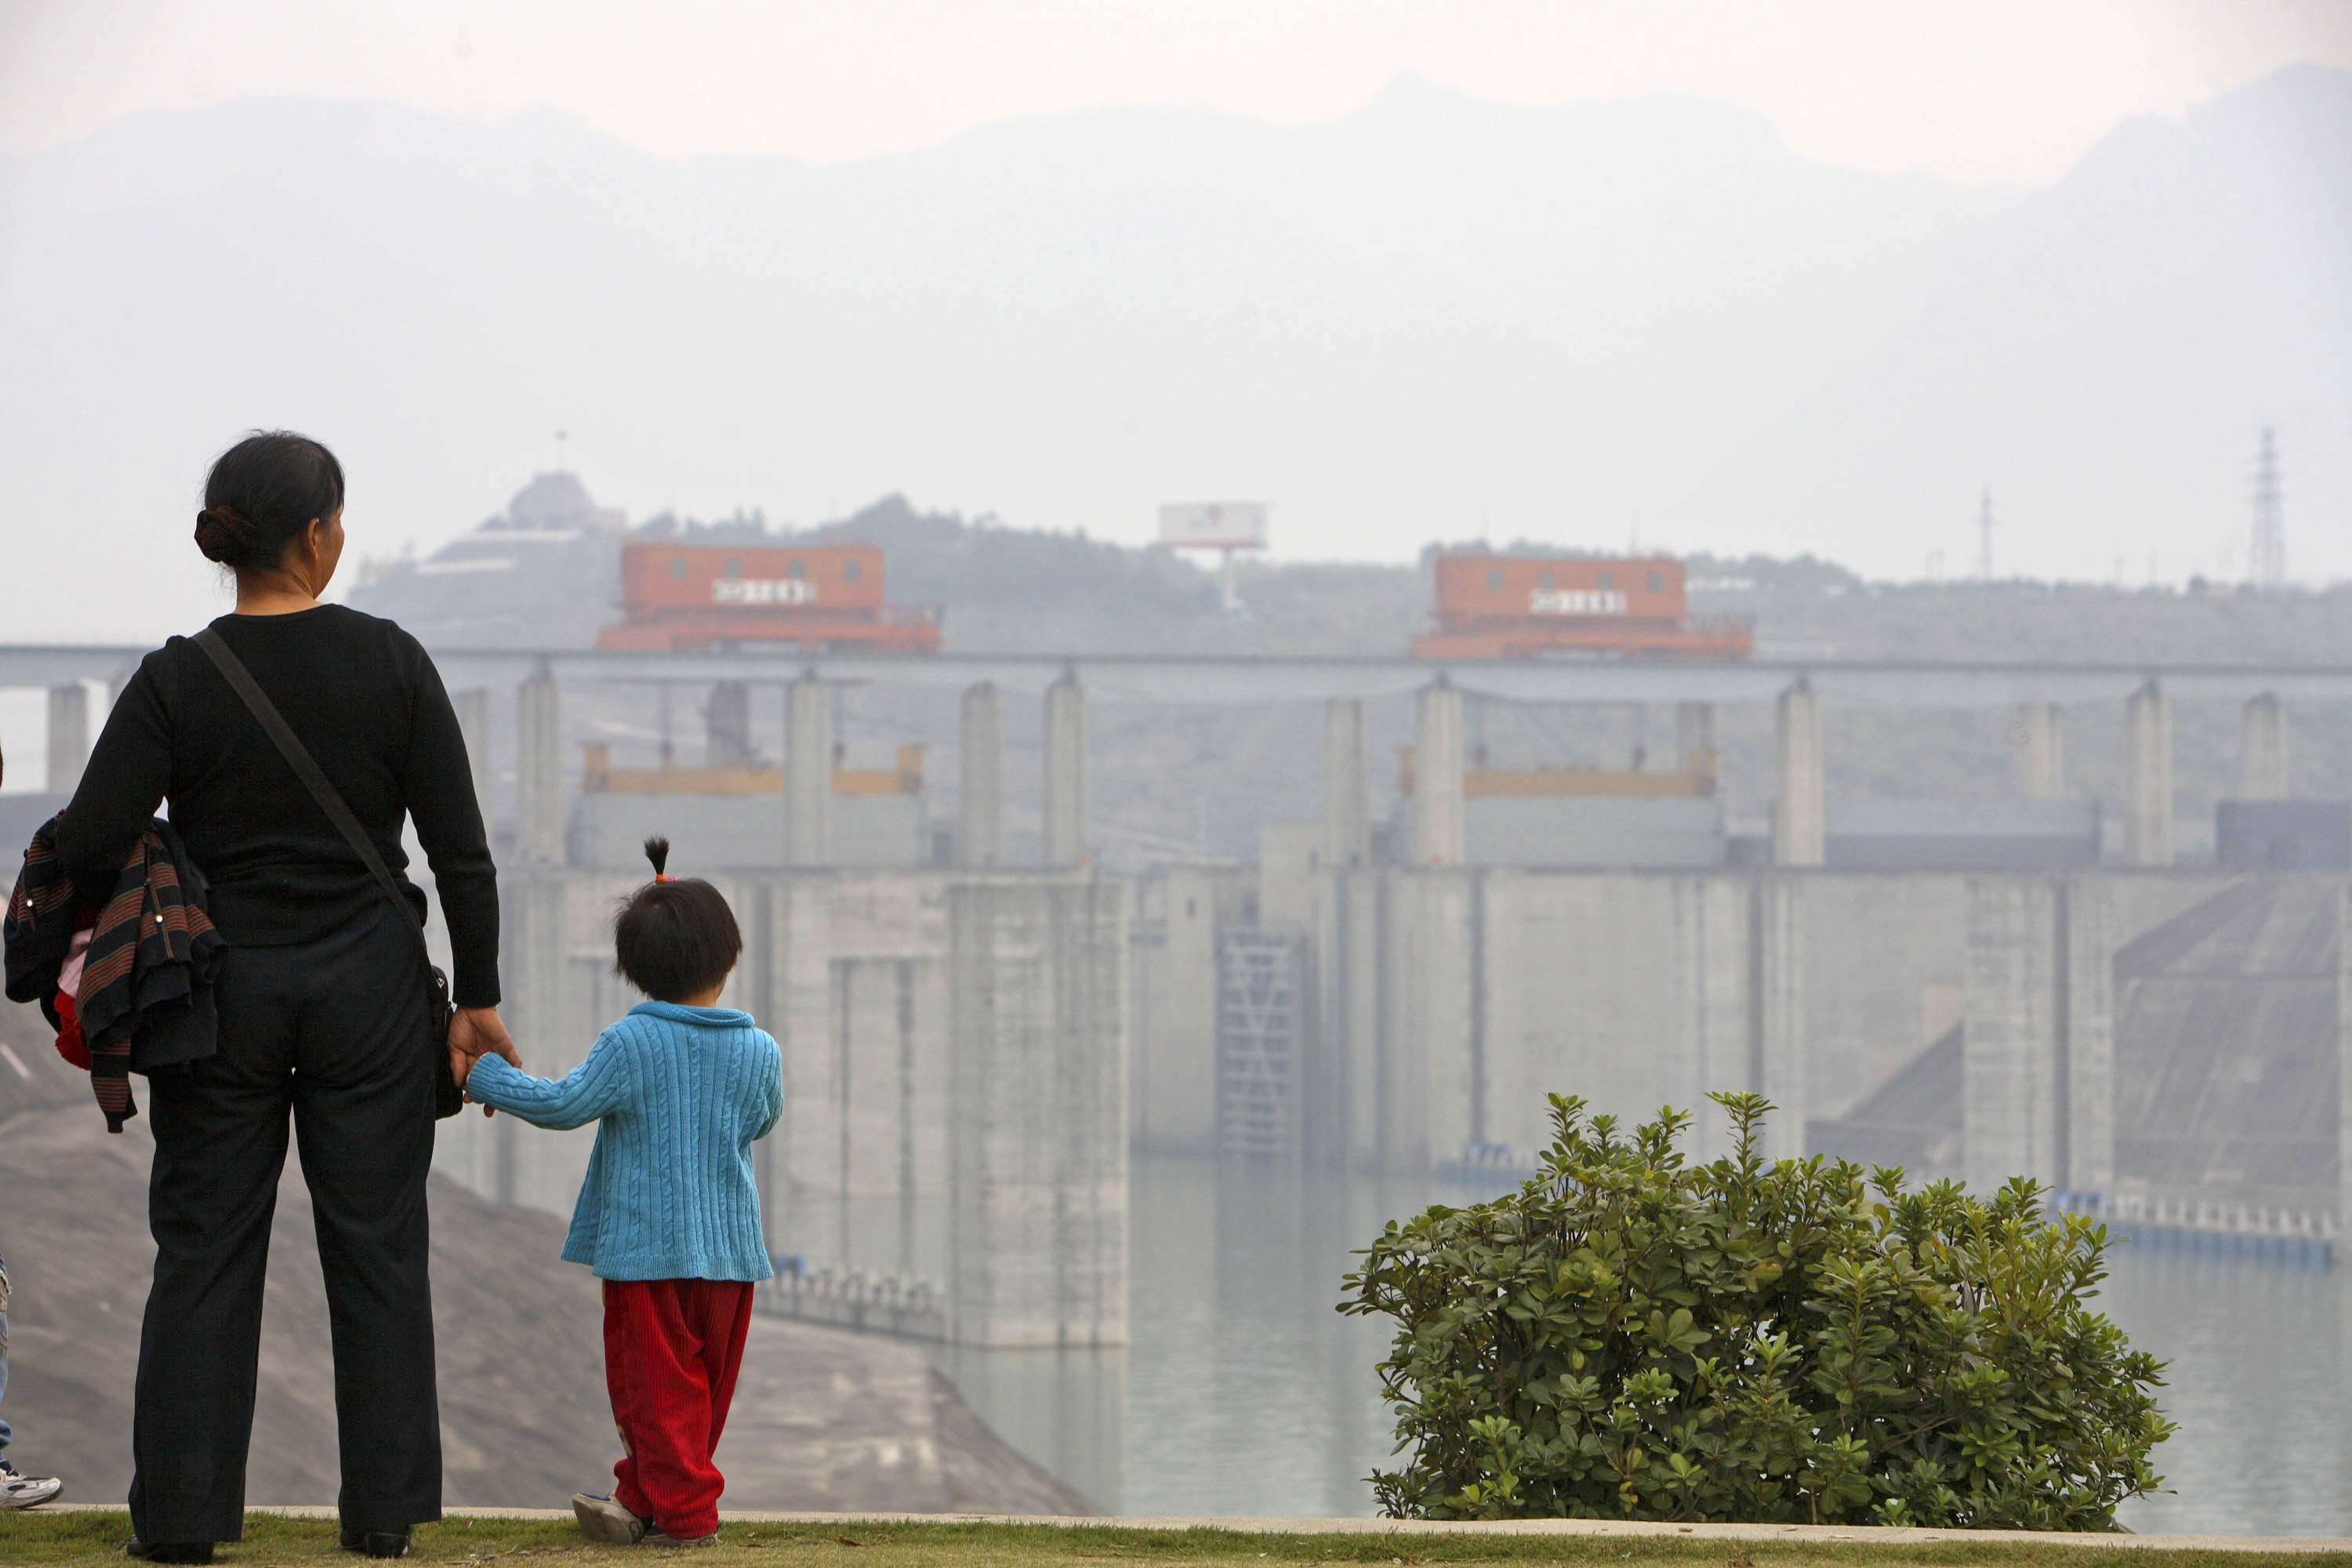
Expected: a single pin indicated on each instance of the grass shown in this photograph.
(97, 1538)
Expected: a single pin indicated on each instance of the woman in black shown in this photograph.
(323, 1001)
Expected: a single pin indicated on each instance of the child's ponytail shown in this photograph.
(675, 937)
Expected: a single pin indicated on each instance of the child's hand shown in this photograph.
(461, 1068)
(475, 1033)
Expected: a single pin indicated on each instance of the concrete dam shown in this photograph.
(2028, 986)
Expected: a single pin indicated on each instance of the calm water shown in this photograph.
(1243, 1392)
(2258, 1385)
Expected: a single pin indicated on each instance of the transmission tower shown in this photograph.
(2267, 559)
(1984, 537)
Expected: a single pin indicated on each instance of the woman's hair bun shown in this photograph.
(260, 496)
(226, 537)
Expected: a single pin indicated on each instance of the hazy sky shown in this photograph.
(1998, 90)
(1704, 393)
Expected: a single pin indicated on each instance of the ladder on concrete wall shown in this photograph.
(1261, 1041)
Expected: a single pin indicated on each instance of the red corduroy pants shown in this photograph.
(672, 1348)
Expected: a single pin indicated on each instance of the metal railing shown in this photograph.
(1493, 1168)
(2203, 1225)
(910, 1309)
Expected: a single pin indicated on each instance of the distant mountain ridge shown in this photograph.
(1430, 318)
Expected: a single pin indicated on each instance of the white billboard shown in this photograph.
(762, 591)
(1575, 602)
(1197, 525)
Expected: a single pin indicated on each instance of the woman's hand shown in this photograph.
(475, 1033)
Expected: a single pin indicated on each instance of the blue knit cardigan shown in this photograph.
(679, 1094)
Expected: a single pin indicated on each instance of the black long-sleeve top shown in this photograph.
(365, 699)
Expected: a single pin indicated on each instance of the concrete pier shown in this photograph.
(727, 726)
(851, 981)
(1712, 1021)
(2261, 748)
(1347, 820)
(473, 709)
(1326, 1073)
(1175, 1026)
(1440, 831)
(808, 772)
(2344, 1072)
(1038, 1145)
(1631, 990)
(2148, 787)
(1065, 775)
(2038, 742)
(69, 736)
(552, 1019)
(1356, 1023)
(1782, 1041)
(1436, 1097)
(980, 795)
(2087, 1161)
(2010, 1032)
(539, 770)
(1799, 814)
(1695, 737)
(2038, 1048)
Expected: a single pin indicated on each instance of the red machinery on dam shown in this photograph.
(830, 597)
(1532, 606)
(723, 596)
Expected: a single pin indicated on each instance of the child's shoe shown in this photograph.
(604, 1518)
(20, 1490)
(656, 1536)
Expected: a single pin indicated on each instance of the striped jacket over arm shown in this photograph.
(145, 999)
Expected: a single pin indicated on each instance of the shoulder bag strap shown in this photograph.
(298, 757)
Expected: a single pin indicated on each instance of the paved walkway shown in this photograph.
(1869, 1534)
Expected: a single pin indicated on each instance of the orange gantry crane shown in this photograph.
(1528, 607)
(817, 596)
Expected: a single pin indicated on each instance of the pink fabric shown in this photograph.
(70, 976)
(71, 1044)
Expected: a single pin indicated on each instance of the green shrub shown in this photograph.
(1628, 1336)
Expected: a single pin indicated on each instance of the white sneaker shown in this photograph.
(26, 1492)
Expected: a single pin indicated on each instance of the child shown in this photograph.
(668, 1216)
(17, 1488)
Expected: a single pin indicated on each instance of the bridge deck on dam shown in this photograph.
(1206, 677)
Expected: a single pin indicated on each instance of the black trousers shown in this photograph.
(336, 1031)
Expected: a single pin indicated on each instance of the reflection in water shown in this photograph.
(1241, 1392)
(1248, 1392)
(2256, 1386)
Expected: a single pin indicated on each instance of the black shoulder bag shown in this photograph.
(446, 1099)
